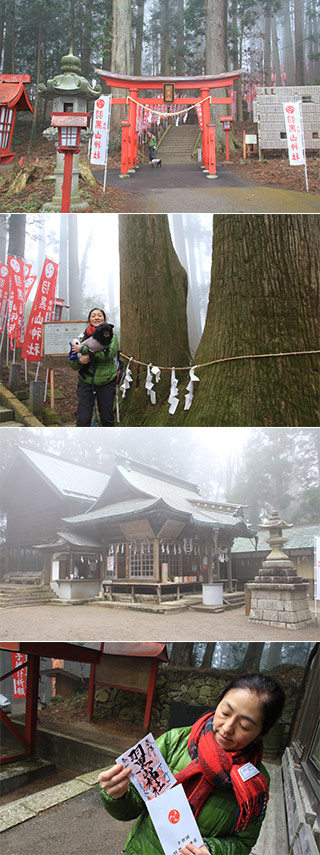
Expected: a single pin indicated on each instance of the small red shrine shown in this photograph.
(13, 98)
(204, 84)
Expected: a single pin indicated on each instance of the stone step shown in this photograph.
(21, 595)
(6, 414)
(178, 144)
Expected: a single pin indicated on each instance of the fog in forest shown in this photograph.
(87, 250)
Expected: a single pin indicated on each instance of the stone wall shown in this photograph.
(268, 113)
(190, 687)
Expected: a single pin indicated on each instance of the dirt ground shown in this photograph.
(103, 623)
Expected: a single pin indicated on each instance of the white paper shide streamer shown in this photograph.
(189, 396)
(125, 385)
(173, 399)
(149, 384)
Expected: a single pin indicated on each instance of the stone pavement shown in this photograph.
(70, 819)
(184, 188)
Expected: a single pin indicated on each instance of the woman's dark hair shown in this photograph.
(269, 692)
(97, 309)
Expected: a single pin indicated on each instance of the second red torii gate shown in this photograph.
(202, 83)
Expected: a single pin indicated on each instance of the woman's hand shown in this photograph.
(116, 781)
(75, 348)
(190, 849)
(84, 359)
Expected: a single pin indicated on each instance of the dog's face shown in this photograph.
(103, 334)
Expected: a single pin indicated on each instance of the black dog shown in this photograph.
(99, 340)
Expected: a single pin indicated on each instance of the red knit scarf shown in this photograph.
(90, 330)
(212, 767)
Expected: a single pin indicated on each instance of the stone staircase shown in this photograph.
(25, 595)
(178, 144)
(7, 416)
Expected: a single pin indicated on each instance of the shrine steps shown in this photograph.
(178, 144)
(15, 596)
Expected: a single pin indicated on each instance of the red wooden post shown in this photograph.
(151, 688)
(124, 150)
(91, 692)
(66, 187)
(32, 702)
(227, 145)
(206, 121)
(212, 152)
(132, 119)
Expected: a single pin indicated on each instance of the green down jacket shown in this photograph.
(105, 365)
(215, 819)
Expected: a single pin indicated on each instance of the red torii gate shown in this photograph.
(202, 83)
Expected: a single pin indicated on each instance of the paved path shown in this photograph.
(185, 189)
(103, 623)
(79, 824)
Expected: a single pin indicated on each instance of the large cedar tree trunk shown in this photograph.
(216, 56)
(153, 306)
(264, 298)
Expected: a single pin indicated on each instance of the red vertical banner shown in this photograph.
(16, 300)
(56, 663)
(41, 311)
(4, 293)
(19, 679)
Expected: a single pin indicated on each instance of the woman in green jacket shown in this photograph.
(98, 379)
(218, 762)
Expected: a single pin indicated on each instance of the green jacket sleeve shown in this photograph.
(128, 807)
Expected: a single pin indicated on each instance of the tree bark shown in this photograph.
(153, 298)
(17, 234)
(74, 289)
(139, 38)
(120, 55)
(275, 50)
(267, 46)
(208, 654)
(165, 38)
(216, 56)
(264, 298)
(253, 655)
(181, 655)
(299, 41)
(9, 41)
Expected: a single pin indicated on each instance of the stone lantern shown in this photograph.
(69, 93)
(278, 594)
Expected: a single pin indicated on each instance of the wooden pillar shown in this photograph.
(132, 119)
(210, 559)
(156, 561)
(127, 561)
(32, 703)
(229, 571)
(212, 170)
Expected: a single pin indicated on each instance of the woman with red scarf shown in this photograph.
(218, 762)
(96, 382)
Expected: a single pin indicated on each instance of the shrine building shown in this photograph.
(140, 526)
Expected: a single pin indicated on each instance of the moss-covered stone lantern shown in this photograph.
(69, 93)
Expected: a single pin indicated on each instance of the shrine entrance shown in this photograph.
(167, 88)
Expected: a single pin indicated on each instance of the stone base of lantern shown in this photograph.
(76, 202)
(279, 604)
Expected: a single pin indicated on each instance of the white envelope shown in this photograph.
(173, 820)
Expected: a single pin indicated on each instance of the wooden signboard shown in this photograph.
(58, 334)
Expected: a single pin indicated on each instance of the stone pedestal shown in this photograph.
(279, 604)
(278, 594)
(14, 377)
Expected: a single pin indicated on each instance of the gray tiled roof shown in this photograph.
(177, 497)
(298, 537)
(69, 478)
